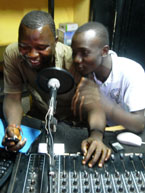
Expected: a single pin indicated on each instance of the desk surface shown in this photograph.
(66, 134)
(72, 137)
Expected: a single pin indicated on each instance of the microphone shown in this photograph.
(53, 85)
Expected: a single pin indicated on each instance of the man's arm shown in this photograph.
(89, 108)
(12, 108)
(13, 111)
(132, 121)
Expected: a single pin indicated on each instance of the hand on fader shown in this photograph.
(94, 150)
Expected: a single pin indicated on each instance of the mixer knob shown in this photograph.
(52, 173)
(120, 189)
(138, 173)
(75, 190)
(129, 181)
(112, 157)
(140, 180)
(106, 174)
(132, 188)
(109, 189)
(31, 189)
(64, 175)
(117, 174)
(97, 182)
(32, 181)
(98, 189)
(63, 182)
(121, 155)
(108, 181)
(127, 173)
(87, 190)
(143, 188)
(63, 190)
(131, 156)
(140, 156)
(86, 182)
(75, 175)
(53, 182)
(96, 174)
(85, 174)
(118, 181)
(75, 182)
(34, 174)
(54, 191)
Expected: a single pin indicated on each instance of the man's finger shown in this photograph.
(18, 146)
(90, 151)
(104, 157)
(108, 154)
(95, 157)
(75, 101)
(84, 147)
(81, 82)
(80, 108)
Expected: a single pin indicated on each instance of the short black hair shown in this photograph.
(35, 19)
(99, 28)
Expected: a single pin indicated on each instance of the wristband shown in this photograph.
(99, 130)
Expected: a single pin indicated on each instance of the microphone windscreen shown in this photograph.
(53, 83)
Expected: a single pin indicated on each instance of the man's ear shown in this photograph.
(105, 51)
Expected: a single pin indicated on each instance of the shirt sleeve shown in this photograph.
(12, 76)
(135, 92)
(68, 57)
(63, 56)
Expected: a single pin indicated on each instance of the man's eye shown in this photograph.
(24, 47)
(40, 48)
(85, 53)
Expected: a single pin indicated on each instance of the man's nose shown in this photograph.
(33, 53)
(77, 59)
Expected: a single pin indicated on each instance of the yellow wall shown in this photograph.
(11, 12)
(71, 11)
(81, 11)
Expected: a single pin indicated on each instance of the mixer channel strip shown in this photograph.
(34, 174)
(122, 173)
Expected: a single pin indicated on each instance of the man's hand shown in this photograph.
(13, 139)
(87, 104)
(86, 99)
(95, 151)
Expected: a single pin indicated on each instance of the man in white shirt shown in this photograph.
(118, 88)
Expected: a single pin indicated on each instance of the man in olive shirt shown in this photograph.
(37, 48)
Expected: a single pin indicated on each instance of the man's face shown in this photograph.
(37, 46)
(87, 54)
